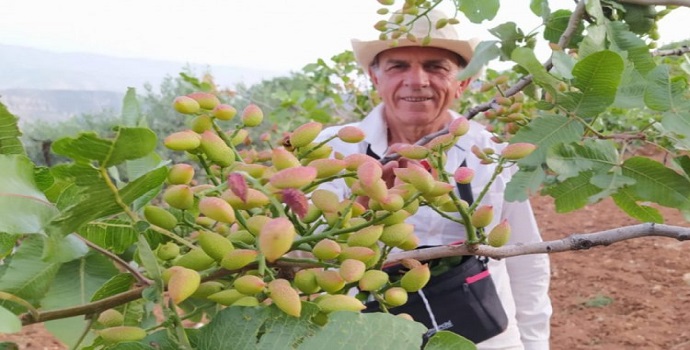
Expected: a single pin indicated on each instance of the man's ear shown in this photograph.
(462, 86)
(372, 76)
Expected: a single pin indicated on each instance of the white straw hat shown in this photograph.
(444, 38)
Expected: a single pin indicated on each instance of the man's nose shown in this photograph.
(417, 77)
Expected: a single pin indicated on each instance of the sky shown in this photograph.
(262, 34)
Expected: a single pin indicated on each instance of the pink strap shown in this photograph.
(477, 277)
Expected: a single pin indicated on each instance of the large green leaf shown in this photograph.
(556, 25)
(478, 11)
(677, 122)
(127, 143)
(75, 284)
(524, 183)
(596, 78)
(510, 35)
(131, 113)
(26, 275)
(23, 207)
(656, 183)
(544, 132)
(595, 40)
(113, 235)
(631, 89)
(573, 193)
(97, 199)
(526, 58)
(484, 52)
(625, 40)
(610, 184)
(626, 200)
(117, 284)
(569, 159)
(444, 340)
(239, 328)
(9, 322)
(9, 133)
(664, 93)
(352, 330)
(268, 328)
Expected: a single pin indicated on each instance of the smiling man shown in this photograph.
(418, 86)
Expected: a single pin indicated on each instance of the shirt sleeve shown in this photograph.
(529, 278)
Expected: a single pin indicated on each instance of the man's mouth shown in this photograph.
(416, 99)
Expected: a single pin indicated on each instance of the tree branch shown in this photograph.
(685, 3)
(673, 52)
(572, 242)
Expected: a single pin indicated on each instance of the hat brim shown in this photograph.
(366, 51)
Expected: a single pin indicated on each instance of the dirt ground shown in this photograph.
(630, 295)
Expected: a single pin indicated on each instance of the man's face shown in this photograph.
(417, 84)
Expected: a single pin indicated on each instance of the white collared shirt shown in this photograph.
(522, 282)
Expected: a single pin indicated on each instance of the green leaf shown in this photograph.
(569, 159)
(239, 327)
(593, 8)
(443, 340)
(75, 284)
(23, 207)
(664, 93)
(117, 284)
(610, 183)
(131, 113)
(626, 200)
(524, 183)
(10, 142)
(148, 258)
(9, 322)
(563, 64)
(130, 345)
(484, 52)
(510, 35)
(127, 143)
(478, 11)
(525, 57)
(113, 235)
(540, 7)
(637, 49)
(97, 200)
(656, 183)
(573, 193)
(677, 122)
(631, 89)
(595, 40)
(556, 25)
(27, 276)
(57, 247)
(7, 242)
(596, 77)
(353, 330)
(545, 131)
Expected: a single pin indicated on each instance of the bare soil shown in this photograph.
(629, 295)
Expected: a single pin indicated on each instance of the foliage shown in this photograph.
(117, 228)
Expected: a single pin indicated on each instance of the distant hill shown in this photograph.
(46, 85)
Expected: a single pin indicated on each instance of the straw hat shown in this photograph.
(444, 38)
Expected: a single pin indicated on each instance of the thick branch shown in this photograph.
(86, 309)
(572, 242)
(673, 52)
(685, 3)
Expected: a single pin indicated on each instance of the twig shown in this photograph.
(572, 242)
(141, 278)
